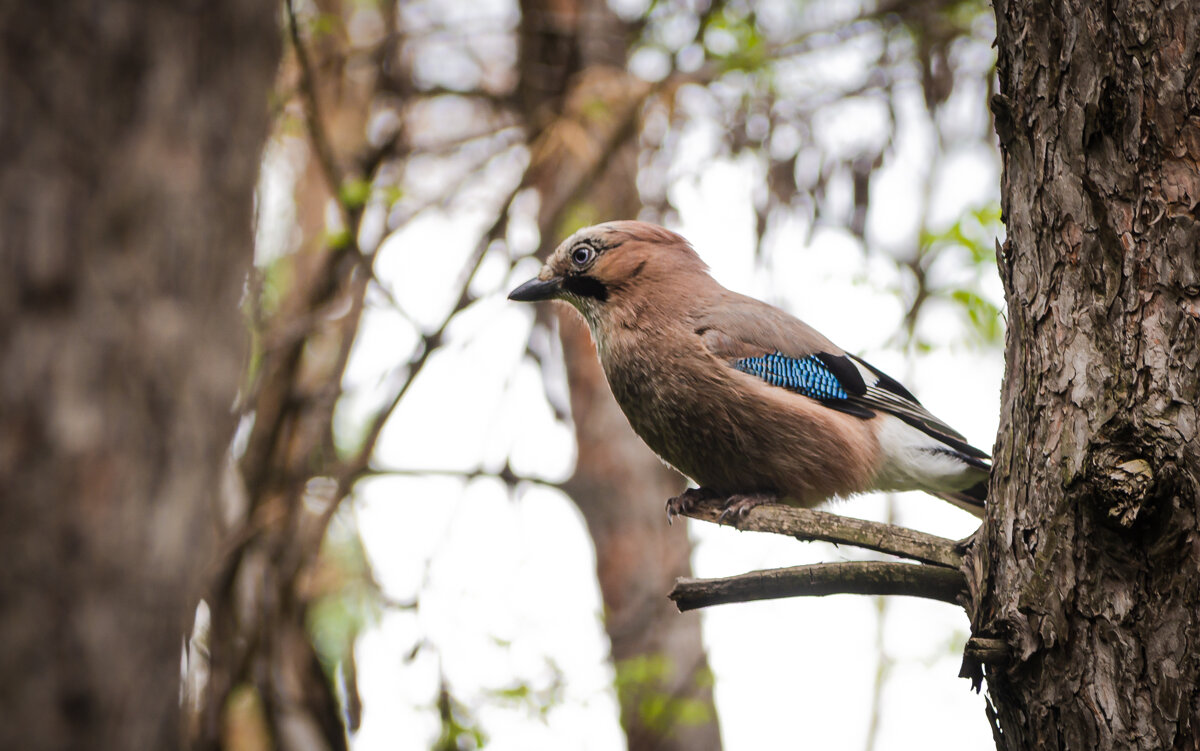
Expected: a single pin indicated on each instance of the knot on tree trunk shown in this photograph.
(1125, 490)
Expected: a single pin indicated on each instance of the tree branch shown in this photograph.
(858, 577)
(429, 342)
(506, 475)
(808, 525)
(987, 650)
(312, 110)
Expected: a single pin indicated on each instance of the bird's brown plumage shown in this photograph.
(667, 332)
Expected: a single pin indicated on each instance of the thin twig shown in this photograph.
(312, 111)
(857, 577)
(503, 131)
(453, 191)
(505, 475)
(624, 131)
(429, 342)
(808, 525)
(362, 460)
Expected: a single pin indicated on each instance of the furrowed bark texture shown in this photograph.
(1090, 566)
(574, 90)
(130, 135)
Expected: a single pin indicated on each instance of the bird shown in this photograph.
(749, 402)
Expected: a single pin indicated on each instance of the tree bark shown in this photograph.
(575, 93)
(130, 135)
(1089, 564)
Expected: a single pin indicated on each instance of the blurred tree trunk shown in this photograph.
(576, 95)
(130, 135)
(1090, 567)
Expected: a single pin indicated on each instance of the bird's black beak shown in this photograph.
(535, 289)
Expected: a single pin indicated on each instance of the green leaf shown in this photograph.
(645, 682)
(975, 232)
(392, 194)
(983, 315)
(347, 600)
(749, 49)
(277, 278)
(578, 215)
(354, 193)
(323, 24)
(338, 240)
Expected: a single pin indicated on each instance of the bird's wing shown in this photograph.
(766, 342)
(887, 395)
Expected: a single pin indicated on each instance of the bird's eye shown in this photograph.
(582, 254)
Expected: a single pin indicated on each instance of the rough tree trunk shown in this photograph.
(584, 165)
(130, 135)
(1090, 557)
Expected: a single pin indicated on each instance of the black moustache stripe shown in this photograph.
(586, 286)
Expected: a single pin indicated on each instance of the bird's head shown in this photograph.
(609, 264)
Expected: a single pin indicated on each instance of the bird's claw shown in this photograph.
(685, 502)
(736, 506)
(739, 505)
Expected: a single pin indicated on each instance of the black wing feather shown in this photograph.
(843, 369)
(887, 395)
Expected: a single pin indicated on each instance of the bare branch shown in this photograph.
(454, 190)
(988, 651)
(808, 525)
(621, 132)
(507, 132)
(429, 342)
(312, 111)
(858, 577)
(504, 474)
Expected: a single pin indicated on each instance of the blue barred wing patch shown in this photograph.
(805, 375)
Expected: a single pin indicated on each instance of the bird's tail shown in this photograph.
(971, 500)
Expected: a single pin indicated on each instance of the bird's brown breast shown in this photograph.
(728, 431)
(670, 404)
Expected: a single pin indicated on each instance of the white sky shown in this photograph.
(506, 585)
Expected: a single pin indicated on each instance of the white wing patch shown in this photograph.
(914, 460)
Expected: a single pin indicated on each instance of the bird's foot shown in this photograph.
(737, 506)
(686, 501)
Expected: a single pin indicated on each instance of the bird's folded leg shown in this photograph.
(739, 505)
(686, 501)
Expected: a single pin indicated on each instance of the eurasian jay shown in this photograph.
(751, 403)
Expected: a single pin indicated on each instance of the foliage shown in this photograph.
(645, 681)
(974, 235)
(345, 598)
(460, 731)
